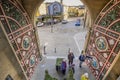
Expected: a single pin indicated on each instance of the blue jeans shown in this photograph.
(80, 65)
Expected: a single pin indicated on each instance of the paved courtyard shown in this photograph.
(64, 37)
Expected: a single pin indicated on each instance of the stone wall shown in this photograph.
(8, 62)
(94, 7)
(31, 6)
(115, 71)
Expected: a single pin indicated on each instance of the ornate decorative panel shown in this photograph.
(104, 43)
(20, 34)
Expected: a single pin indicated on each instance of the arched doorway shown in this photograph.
(13, 31)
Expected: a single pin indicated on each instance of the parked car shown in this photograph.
(77, 23)
(40, 24)
(64, 21)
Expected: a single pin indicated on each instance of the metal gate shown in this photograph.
(20, 34)
(104, 43)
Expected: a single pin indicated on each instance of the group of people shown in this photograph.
(71, 57)
(70, 63)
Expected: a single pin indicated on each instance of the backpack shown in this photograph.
(82, 58)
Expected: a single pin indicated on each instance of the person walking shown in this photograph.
(81, 59)
(70, 58)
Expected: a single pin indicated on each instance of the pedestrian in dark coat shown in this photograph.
(82, 58)
(63, 67)
(70, 58)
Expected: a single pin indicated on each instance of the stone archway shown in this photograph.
(22, 29)
(94, 7)
(31, 7)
